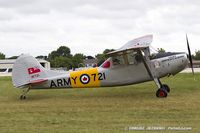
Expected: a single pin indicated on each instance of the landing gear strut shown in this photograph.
(24, 92)
(163, 89)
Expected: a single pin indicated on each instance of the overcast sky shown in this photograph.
(38, 27)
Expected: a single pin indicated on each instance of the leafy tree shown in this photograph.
(89, 57)
(42, 57)
(64, 51)
(61, 57)
(61, 62)
(197, 55)
(107, 51)
(53, 55)
(193, 56)
(2, 56)
(77, 60)
(61, 51)
(161, 50)
(102, 57)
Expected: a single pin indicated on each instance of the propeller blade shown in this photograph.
(190, 56)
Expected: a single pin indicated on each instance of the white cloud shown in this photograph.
(90, 26)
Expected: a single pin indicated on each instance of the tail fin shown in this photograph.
(26, 70)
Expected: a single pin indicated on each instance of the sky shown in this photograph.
(38, 27)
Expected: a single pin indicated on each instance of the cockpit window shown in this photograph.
(118, 60)
(130, 57)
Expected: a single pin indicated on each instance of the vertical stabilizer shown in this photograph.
(26, 69)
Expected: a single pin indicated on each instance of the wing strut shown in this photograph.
(151, 72)
(163, 89)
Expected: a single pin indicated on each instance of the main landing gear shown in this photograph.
(24, 92)
(163, 91)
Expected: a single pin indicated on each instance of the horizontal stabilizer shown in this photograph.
(38, 81)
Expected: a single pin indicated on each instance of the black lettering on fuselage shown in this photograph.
(59, 82)
(102, 76)
(53, 84)
(74, 79)
(94, 75)
(67, 82)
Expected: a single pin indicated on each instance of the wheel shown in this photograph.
(161, 93)
(166, 87)
(22, 97)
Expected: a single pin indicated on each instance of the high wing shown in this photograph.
(141, 45)
(138, 43)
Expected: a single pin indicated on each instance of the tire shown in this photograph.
(161, 93)
(22, 97)
(166, 87)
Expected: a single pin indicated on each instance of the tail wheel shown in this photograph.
(24, 92)
(22, 97)
(161, 93)
(166, 87)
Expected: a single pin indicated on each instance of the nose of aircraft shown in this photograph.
(184, 61)
(180, 63)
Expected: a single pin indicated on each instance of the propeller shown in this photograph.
(189, 55)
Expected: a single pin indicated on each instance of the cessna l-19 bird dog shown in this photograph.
(131, 64)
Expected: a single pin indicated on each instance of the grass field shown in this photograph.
(102, 110)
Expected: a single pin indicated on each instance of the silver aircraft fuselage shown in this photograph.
(110, 74)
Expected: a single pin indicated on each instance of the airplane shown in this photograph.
(130, 64)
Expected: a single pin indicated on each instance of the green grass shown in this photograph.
(102, 110)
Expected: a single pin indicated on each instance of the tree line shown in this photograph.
(62, 57)
(196, 56)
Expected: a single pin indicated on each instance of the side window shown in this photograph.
(129, 57)
(10, 70)
(118, 60)
(3, 70)
(132, 57)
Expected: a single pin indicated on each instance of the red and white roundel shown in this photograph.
(85, 79)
